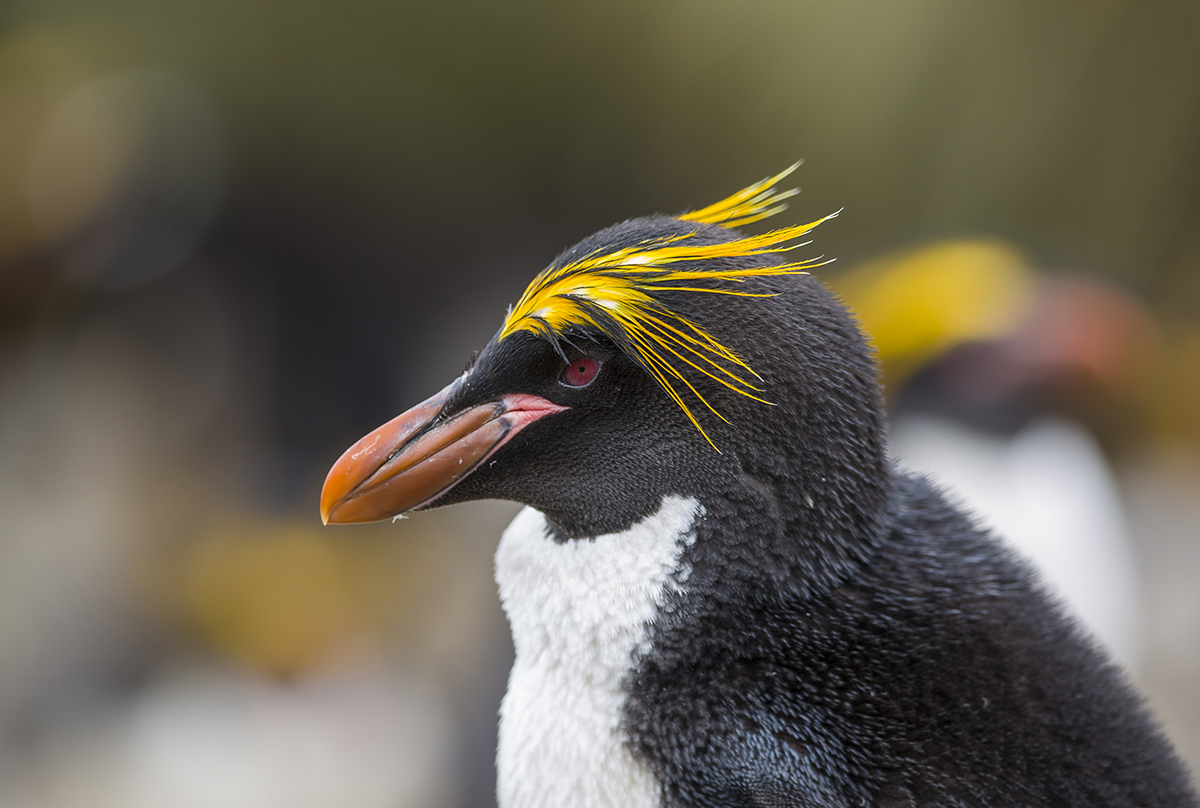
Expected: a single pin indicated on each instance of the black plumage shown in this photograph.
(846, 636)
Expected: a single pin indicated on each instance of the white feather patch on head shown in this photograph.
(579, 612)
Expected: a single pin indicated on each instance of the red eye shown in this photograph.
(580, 372)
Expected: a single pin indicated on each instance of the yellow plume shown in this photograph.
(613, 292)
(748, 205)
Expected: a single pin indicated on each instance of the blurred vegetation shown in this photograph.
(236, 235)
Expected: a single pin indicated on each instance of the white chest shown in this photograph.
(578, 613)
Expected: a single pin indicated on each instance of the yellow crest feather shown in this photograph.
(748, 205)
(613, 292)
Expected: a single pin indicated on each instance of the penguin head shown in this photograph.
(660, 356)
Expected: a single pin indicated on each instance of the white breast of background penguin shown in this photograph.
(579, 611)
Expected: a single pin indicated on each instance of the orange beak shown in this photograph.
(407, 462)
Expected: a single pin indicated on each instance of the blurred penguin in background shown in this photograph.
(998, 380)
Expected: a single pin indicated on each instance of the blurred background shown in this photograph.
(235, 236)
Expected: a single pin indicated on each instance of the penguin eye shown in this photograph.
(580, 373)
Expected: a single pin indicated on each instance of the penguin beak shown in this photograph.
(416, 457)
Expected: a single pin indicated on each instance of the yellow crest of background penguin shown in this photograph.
(722, 592)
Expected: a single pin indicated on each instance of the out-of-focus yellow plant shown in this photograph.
(278, 597)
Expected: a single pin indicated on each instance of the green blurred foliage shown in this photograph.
(1072, 127)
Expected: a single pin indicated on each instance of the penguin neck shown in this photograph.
(796, 518)
(765, 530)
(580, 613)
(778, 519)
(559, 595)
(813, 495)
(785, 538)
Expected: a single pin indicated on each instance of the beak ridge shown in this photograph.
(406, 463)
